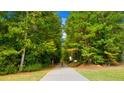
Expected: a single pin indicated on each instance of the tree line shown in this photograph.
(33, 40)
(29, 40)
(95, 37)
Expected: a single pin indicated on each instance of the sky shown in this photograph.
(63, 15)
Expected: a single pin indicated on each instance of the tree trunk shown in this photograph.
(23, 53)
(22, 60)
(23, 56)
(52, 62)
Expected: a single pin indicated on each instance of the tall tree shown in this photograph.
(29, 40)
(97, 35)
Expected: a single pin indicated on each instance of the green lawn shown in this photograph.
(26, 76)
(104, 73)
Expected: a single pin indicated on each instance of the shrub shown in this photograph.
(98, 59)
(11, 69)
(8, 61)
(32, 67)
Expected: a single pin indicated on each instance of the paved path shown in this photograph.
(63, 74)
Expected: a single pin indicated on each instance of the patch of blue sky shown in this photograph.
(63, 35)
(64, 21)
(63, 15)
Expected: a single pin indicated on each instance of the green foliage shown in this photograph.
(39, 33)
(97, 59)
(65, 55)
(32, 67)
(99, 36)
(8, 61)
(87, 53)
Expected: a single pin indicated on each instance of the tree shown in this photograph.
(33, 40)
(97, 35)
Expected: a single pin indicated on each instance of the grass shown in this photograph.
(26, 76)
(103, 74)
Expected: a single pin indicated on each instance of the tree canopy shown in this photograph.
(97, 35)
(31, 40)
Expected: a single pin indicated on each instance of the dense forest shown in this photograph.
(95, 37)
(29, 41)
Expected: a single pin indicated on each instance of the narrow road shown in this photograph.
(63, 74)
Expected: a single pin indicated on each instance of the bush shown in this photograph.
(45, 65)
(35, 60)
(8, 61)
(32, 67)
(98, 59)
(11, 69)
